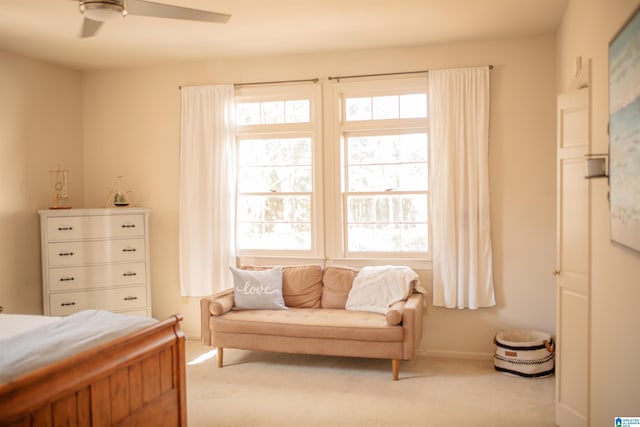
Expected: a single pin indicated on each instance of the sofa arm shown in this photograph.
(213, 305)
(412, 324)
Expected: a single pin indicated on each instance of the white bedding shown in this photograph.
(47, 340)
(14, 324)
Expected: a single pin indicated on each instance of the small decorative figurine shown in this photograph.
(120, 199)
(120, 195)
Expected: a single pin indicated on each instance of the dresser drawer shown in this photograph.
(94, 252)
(97, 276)
(120, 299)
(94, 227)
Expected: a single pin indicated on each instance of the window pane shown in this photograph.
(272, 112)
(406, 177)
(383, 209)
(370, 178)
(276, 171)
(413, 177)
(274, 222)
(415, 147)
(413, 106)
(388, 238)
(415, 208)
(279, 165)
(274, 236)
(262, 179)
(275, 151)
(385, 172)
(297, 111)
(358, 109)
(248, 113)
(387, 149)
(385, 107)
(274, 208)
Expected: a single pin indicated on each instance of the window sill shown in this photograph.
(414, 263)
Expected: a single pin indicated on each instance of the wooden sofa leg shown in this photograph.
(219, 351)
(395, 366)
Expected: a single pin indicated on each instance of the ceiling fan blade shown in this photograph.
(158, 10)
(89, 28)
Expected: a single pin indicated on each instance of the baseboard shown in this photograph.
(444, 354)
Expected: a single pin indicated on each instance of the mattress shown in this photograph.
(33, 342)
(14, 324)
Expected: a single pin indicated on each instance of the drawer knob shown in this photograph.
(65, 304)
(129, 273)
(130, 298)
(67, 279)
(65, 228)
(128, 226)
(65, 254)
(129, 250)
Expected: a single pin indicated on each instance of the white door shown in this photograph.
(573, 266)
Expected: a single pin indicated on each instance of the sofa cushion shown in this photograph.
(309, 323)
(337, 284)
(302, 286)
(260, 290)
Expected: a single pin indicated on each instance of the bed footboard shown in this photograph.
(138, 379)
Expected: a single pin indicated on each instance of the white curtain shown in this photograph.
(207, 189)
(461, 229)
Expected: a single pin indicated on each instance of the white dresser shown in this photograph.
(95, 258)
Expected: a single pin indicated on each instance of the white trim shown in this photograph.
(313, 130)
(338, 129)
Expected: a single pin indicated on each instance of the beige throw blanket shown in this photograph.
(377, 288)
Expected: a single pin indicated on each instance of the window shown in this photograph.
(361, 193)
(277, 141)
(383, 134)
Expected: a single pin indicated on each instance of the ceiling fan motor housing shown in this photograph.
(103, 10)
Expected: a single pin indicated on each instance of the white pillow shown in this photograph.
(258, 289)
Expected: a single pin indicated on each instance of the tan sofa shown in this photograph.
(316, 321)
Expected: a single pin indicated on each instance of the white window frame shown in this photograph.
(336, 223)
(314, 130)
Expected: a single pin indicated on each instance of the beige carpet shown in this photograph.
(269, 389)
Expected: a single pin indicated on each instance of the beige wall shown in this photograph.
(40, 123)
(587, 28)
(131, 128)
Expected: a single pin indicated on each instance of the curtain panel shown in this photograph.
(207, 189)
(461, 227)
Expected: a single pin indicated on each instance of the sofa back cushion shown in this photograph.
(337, 284)
(302, 286)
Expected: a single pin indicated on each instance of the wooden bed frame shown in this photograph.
(137, 379)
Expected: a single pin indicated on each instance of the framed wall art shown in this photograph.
(624, 134)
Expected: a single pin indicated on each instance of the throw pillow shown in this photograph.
(258, 290)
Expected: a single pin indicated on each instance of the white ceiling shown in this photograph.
(48, 29)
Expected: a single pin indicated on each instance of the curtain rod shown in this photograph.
(384, 74)
(314, 80)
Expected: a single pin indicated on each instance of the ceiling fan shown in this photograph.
(96, 12)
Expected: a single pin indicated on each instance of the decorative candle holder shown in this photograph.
(60, 198)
